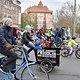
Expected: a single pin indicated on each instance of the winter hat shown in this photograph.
(6, 21)
(27, 27)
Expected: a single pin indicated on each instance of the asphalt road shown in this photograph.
(69, 69)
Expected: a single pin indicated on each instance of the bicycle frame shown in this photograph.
(74, 50)
(24, 64)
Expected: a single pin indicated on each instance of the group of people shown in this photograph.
(7, 40)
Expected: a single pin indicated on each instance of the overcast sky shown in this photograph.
(51, 4)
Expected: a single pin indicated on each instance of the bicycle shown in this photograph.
(24, 64)
(25, 67)
(75, 50)
(45, 71)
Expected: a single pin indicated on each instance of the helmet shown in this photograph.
(27, 27)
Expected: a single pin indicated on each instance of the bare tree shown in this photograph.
(66, 15)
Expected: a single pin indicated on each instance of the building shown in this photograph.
(10, 8)
(41, 16)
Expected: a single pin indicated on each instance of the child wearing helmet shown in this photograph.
(71, 43)
(27, 39)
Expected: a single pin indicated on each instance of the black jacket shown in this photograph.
(26, 38)
(6, 36)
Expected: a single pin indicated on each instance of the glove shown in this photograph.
(9, 46)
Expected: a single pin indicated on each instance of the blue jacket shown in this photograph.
(6, 36)
(58, 40)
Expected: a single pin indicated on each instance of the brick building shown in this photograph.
(10, 8)
(41, 16)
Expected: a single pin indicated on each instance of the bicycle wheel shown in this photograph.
(46, 65)
(64, 52)
(77, 54)
(27, 74)
(36, 73)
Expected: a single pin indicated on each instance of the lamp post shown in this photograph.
(74, 20)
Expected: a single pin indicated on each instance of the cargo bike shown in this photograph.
(48, 58)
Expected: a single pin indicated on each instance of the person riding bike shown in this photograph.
(71, 43)
(27, 39)
(7, 41)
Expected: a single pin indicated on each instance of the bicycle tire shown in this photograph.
(46, 65)
(64, 52)
(27, 74)
(77, 54)
(38, 75)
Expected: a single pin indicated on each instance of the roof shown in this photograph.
(38, 9)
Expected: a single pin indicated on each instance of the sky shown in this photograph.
(51, 4)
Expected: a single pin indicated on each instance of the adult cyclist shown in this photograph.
(6, 44)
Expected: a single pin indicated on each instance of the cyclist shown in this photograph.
(71, 44)
(27, 39)
(6, 44)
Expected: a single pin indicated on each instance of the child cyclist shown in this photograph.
(71, 43)
(27, 39)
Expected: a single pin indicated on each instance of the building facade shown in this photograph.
(12, 9)
(41, 16)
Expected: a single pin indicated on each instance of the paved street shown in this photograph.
(69, 69)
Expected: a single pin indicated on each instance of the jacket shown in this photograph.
(6, 36)
(26, 38)
(71, 43)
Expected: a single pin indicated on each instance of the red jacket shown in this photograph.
(48, 44)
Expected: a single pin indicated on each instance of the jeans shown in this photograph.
(10, 63)
(32, 47)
